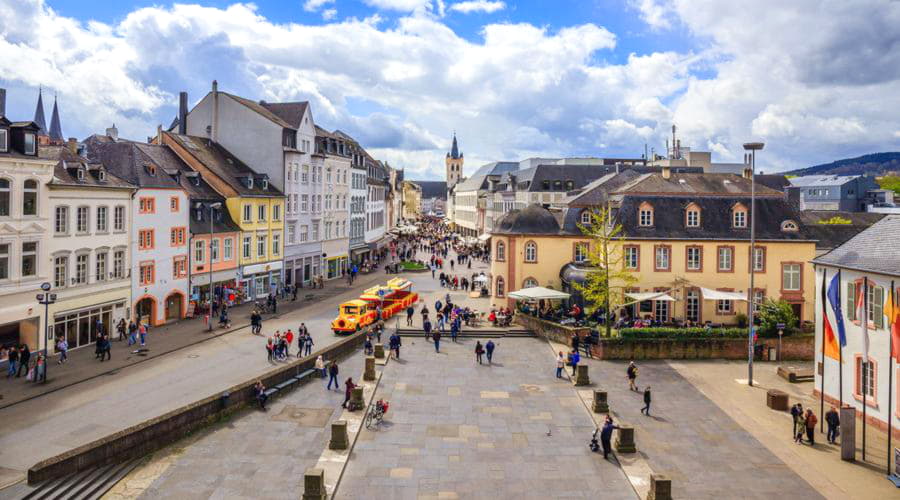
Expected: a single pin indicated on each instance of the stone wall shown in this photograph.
(550, 330)
(151, 435)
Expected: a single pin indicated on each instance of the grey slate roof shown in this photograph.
(39, 119)
(496, 168)
(474, 183)
(821, 180)
(290, 112)
(259, 108)
(433, 189)
(873, 250)
(55, 128)
(65, 172)
(533, 219)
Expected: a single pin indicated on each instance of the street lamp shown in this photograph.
(46, 299)
(753, 147)
(212, 206)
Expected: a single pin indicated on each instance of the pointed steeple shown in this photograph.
(454, 151)
(55, 128)
(39, 114)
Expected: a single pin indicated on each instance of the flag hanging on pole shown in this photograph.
(865, 320)
(834, 298)
(830, 347)
(894, 320)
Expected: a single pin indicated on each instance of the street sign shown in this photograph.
(381, 293)
(780, 326)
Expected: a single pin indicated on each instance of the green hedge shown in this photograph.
(412, 266)
(682, 333)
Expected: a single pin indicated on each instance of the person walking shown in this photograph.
(606, 436)
(13, 361)
(811, 421)
(255, 322)
(332, 376)
(320, 366)
(489, 350)
(132, 333)
(437, 341)
(24, 358)
(631, 374)
(575, 359)
(348, 391)
(426, 325)
(410, 311)
(800, 428)
(122, 327)
(646, 409)
(142, 333)
(270, 350)
(560, 364)
(40, 368)
(796, 414)
(63, 347)
(479, 351)
(308, 345)
(575, 342)
(288, 340)
(833, 420)
(106, 348)
(394, 343)
(454, 329)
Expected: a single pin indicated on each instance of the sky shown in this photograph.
(816, 80)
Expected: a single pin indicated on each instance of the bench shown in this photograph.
(311, 373)
(271, 392)
(794, 374)
(287, 384)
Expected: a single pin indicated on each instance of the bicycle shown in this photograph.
(376, 414)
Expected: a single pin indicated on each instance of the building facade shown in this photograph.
(850, 193)
(412, 200)
(335, 209)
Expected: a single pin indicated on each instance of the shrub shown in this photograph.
(682, 333)
(771, 313)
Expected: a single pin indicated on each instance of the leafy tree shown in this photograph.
(773, 312)
(836, 220)
(608, 278)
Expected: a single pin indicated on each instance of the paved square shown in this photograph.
(473, 431)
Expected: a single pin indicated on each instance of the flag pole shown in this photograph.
(890, 373)
(840, 354)
(865, 361)
(822, 384)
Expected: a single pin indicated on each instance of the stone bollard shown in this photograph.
(581, 375)
(379, 351)
(369, 374)
(625, 439)
(340, 440)
(314, 485)
(600, 403)
(660, 487)
(356, 399)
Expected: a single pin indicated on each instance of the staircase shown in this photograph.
(493, 333)
(90, 484)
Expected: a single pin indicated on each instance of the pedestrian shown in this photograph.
(270, 350)
(560, 364)
(631, 374)
(255, 322)
(40, 369)
(646, 409)
(107, 348)
(367, 346)
(288, 340)
(479, 351)
(410, 311)
(142, 333)
(274, 304)
(259, 390)
(437, 341)
(24, 358)
(426, 325)
(122, 329)
(395, 344)
(308, 345)
(575, 359)
(796, 414)
(348, 391)
(606, 435)
(132, 333)
(332, 376)
(800, 428)
(833, 420)
(320, 366)
(811, 421)
(489, 350)
(575, 341)
(63, 347)
(454, 329)
(301, 342)
(13, 361)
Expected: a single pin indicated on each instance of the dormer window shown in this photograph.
(570, 185)
(692, 216)
(586, 217)
(101, 175)
(30, 144)
(265, 184)
(789, 226)
(645, 215)
(739, 216)
(80, 174)
(151, 169)
(4, 140)
(249, 182)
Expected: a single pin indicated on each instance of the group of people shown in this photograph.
(278, 347)
(804, 423)
(19, 361)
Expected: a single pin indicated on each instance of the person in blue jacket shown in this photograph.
(606, 435)
(575, 359)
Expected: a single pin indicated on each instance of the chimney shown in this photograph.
(159, 134)
(72, 145)
(113, 132)
(667, 172)
(182, 113)
(2, 102)
(215, 119)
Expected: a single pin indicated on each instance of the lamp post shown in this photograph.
(212, 206)
(753, 147)
(46, 299)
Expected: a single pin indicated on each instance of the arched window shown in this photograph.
(29, 197)
(501, 251)
(692, 215)
(5, 194)
(531, 252)
(501, 289)
(789, 226)
(529, 283)
(645, 215)
(739, 216)
(586, 217)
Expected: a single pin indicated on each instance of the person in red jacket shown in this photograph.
(811, 422)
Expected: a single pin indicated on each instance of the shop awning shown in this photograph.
(642, 296)
(709, 294)
(484, 237)
(538, 293)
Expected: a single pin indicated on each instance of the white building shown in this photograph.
(89, 250)
(376, 186)
(359, 250)
(335, 202)
(868, 261)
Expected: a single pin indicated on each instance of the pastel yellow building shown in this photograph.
(683, 234)
(253, 203)
(412, 200)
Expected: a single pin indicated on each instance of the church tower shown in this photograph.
(454, 163)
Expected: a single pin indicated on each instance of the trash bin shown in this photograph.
(773, 354)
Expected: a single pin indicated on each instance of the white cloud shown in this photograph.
(656, 13)
(485, 6)
(400, 5)
(315, 5)
(329, 14)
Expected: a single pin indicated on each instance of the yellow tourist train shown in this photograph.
(390, 299)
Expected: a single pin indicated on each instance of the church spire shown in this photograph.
(55, 128)
(454, 150)
(39, 114)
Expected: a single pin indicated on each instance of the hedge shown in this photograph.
(682, 333)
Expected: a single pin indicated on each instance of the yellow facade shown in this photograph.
(412, 200)
(268, 227)
(554, 252)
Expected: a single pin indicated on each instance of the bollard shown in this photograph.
(356, 399)
(848, 433)
(625, 439)
(369, 374)
(314, 485)
(660, 487)
(340, 440)
(600, 403)
(581, 375)
(379, 351)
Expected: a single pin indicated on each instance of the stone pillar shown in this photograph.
(848, 433)
(379, 351)
(581, 375)
(625, 439)
(314, 485)
(356, 398)
(660, 487)
(340, 440)
(600, 403)
(369, 374)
